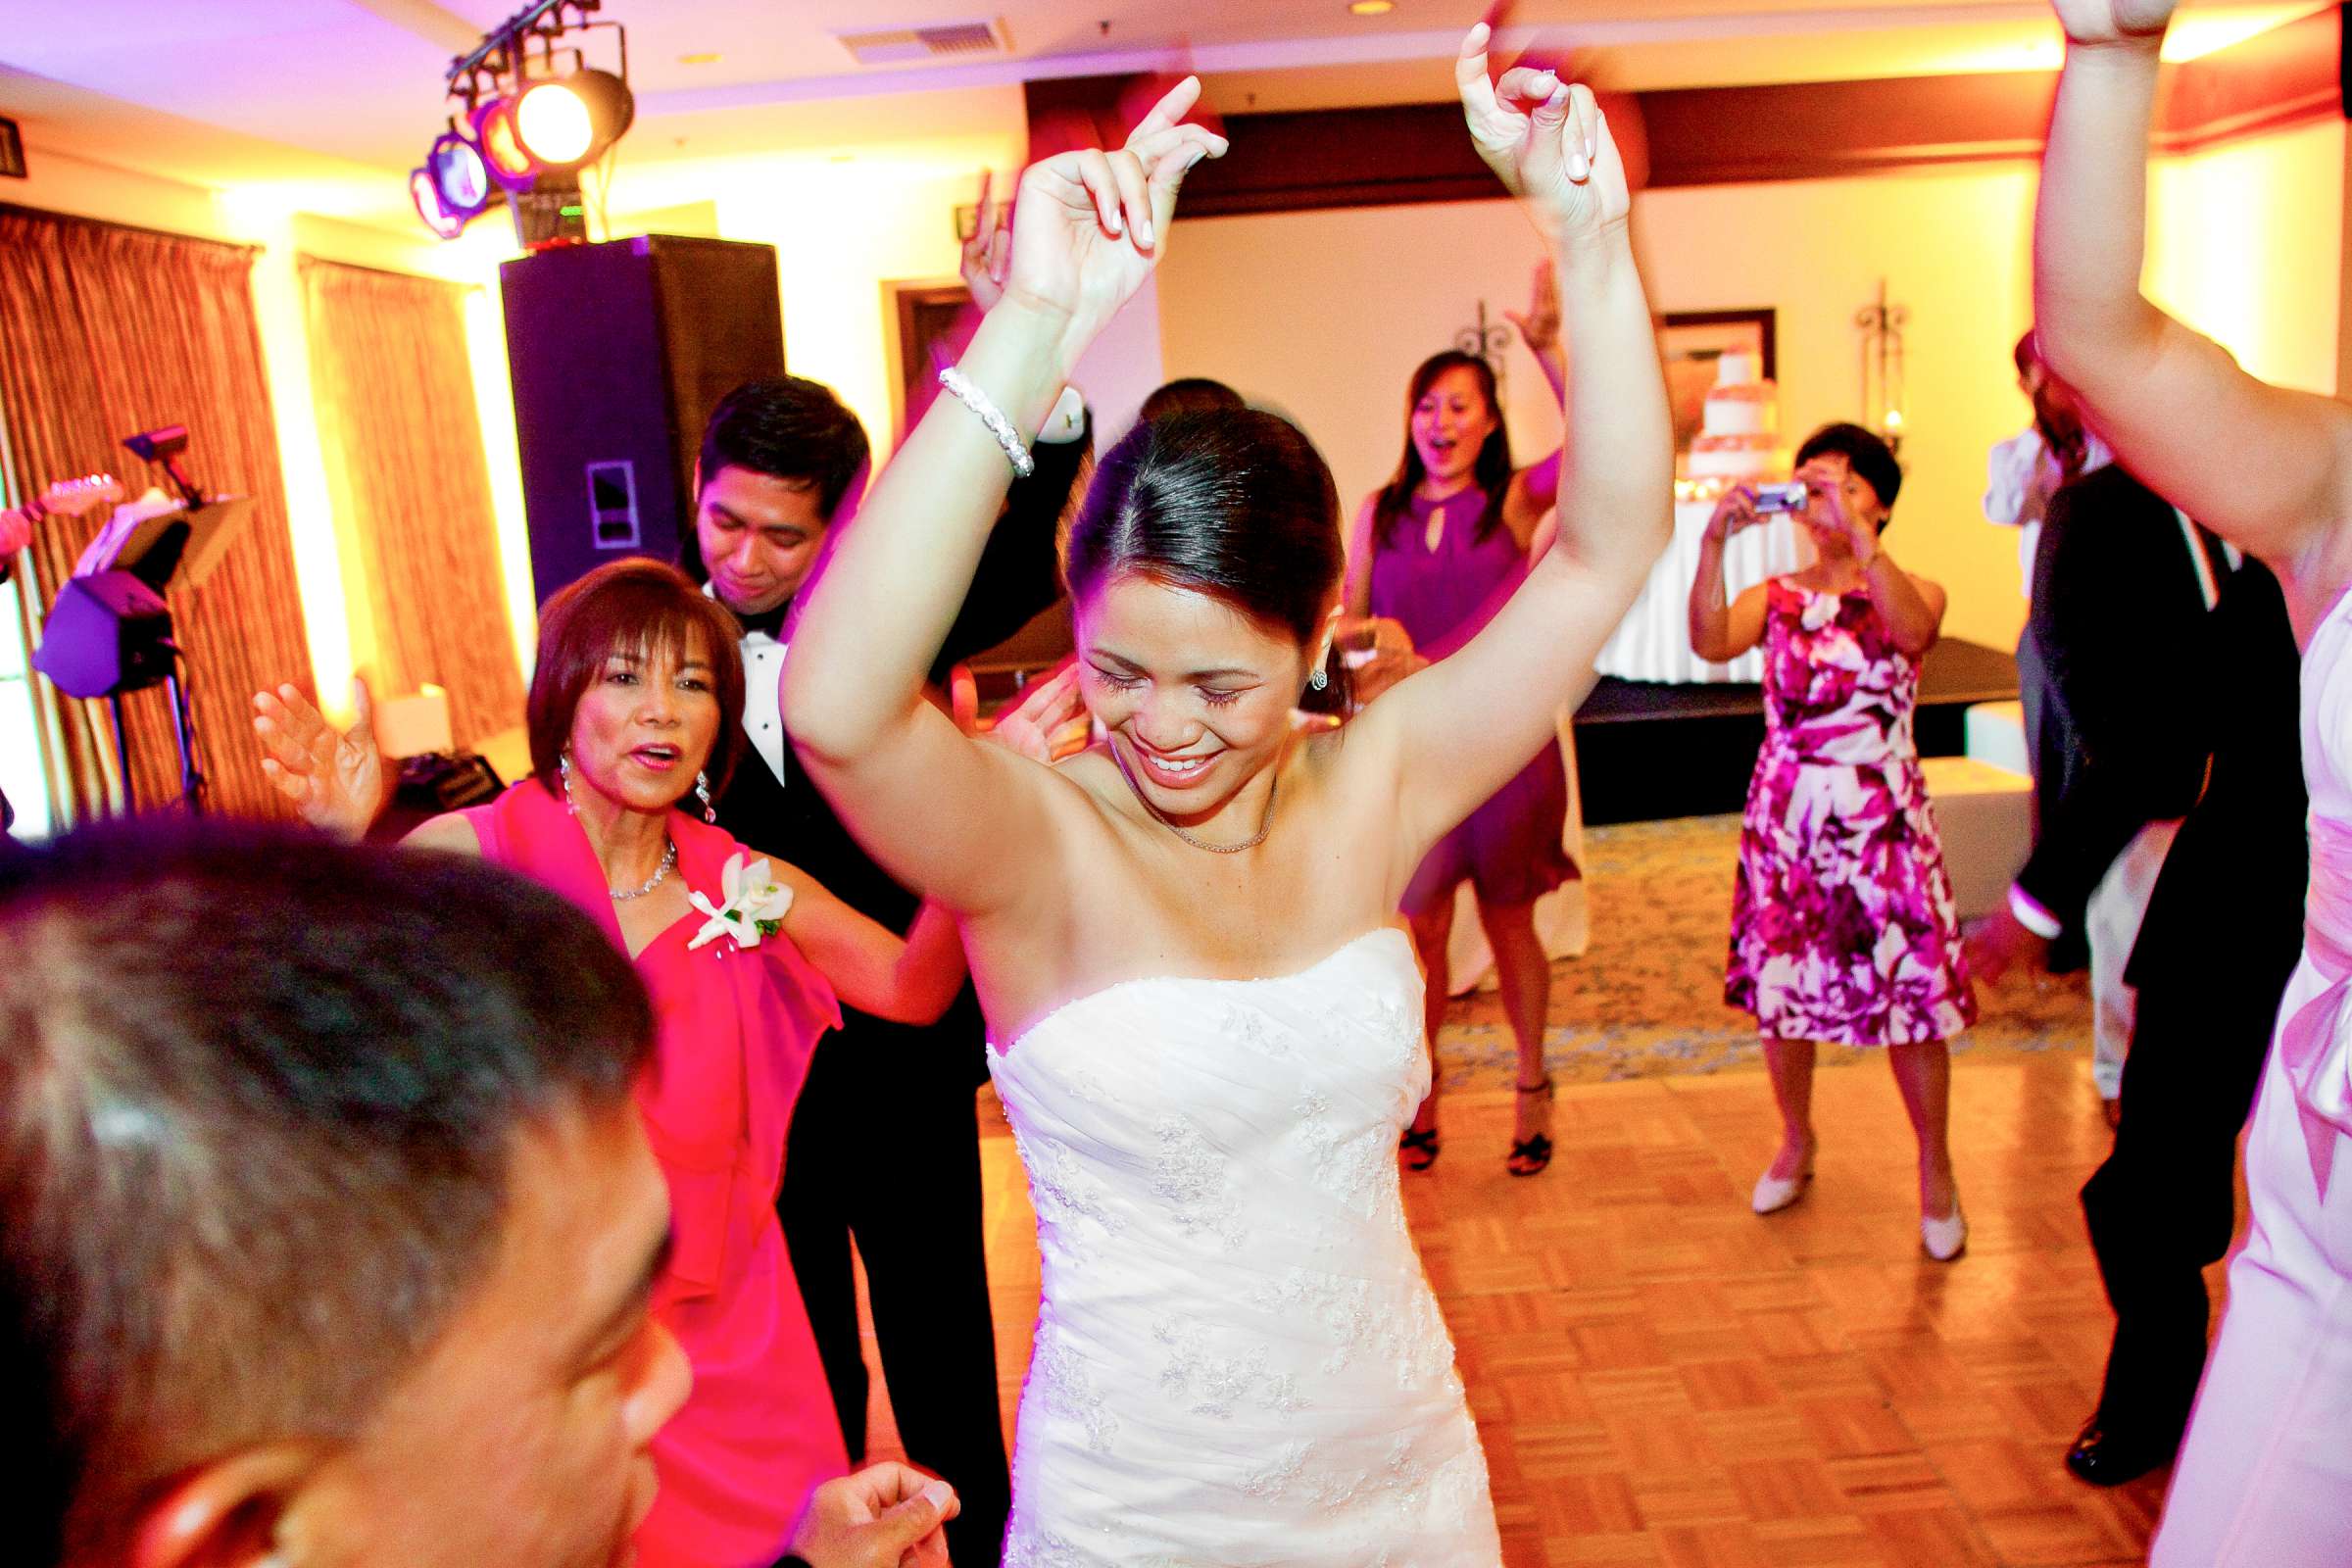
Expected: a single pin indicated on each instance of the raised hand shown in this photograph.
(1546, 141)
(1826, 514)
(1088, 226)
(2105, 22)
(1539, 327)
(989, 252)
(336, 779)
(1735, 514)
(1049, 722)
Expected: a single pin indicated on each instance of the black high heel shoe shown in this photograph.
(1419, 1147)
(1532, 1157)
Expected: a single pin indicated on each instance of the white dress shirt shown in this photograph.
(762, 717)
(2023, 474)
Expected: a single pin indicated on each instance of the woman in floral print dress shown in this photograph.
(1842, 926)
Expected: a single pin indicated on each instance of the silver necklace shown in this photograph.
(1264, 827)
(669, 857)
(669, 849)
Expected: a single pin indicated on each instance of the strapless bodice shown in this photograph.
(1237, 1357)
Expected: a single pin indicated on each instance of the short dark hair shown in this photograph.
(636, 606)
(1189, 394)
(259, 1095)
(1864, 452)
(789, 428)
(1234, 502)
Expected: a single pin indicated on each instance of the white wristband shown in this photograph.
(972, 398)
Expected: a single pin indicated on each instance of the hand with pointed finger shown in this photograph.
(2115, 22)
(989, 252)
(1546, 141)
(335, 778)
(1089, 227)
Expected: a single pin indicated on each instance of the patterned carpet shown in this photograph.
(1647, 1000)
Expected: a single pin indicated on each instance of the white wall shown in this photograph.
(1325, 313)
(2246, 244)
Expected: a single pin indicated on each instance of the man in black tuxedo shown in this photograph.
(2222, 933)
(2178, 708)
(2123, 589)
(883, 1147)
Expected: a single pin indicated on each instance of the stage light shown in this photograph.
(534, 113)
(494, 134)
(568, 121)
(426, 192)
(459, 176)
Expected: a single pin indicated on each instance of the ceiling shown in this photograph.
(337, 98)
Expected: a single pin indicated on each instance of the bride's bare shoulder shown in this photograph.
(450, 831)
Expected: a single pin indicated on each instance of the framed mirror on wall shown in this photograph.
(1691, 342)
(926, 315)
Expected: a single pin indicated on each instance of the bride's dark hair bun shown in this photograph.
(1231, 502)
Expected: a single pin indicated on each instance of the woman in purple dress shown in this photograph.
(1843, 927)
(1436, 553)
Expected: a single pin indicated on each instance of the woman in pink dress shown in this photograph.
(1432, 557)
(2265, 1476)
(636, 704)
(1842, 926)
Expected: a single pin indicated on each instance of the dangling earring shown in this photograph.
(564, 771)
(702, 793)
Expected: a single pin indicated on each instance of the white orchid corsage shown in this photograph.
(754, 906)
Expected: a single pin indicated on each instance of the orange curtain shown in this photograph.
(394, 390)
(104, 331)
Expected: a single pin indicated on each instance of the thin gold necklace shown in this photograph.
(1264, 826)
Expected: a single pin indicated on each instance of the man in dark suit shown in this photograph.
(2222, 933)
(2176, 708)
(2123, 586)
(883, 1147)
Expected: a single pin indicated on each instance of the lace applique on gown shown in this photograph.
(1237, 1360)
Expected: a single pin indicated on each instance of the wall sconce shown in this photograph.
(1487, 341)
(1882, 329)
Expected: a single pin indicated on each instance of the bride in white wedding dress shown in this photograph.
(1205, 1029)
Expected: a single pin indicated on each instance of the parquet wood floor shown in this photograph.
(1662, 1378)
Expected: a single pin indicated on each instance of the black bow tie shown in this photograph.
(771, 621)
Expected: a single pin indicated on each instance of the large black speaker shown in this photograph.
(619, 353)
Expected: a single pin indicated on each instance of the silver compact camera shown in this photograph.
(1789, 497)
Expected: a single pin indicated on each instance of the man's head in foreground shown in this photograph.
(326, 1224)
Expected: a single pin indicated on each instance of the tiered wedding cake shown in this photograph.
(1740, 425)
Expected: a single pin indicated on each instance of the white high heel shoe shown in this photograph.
(1775, 1192)
(1944, 1239)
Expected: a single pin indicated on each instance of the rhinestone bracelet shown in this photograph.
(972, 398)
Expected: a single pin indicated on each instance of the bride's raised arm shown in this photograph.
(942, 811)
(2267, 467)
(1461, 728)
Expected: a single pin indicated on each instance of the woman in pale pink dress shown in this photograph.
(636, 705)
(2265, 1476)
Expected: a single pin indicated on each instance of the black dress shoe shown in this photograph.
(2109, 1459)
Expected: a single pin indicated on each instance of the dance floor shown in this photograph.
(1659, 1376)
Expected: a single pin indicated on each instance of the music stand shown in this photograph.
(110, 634)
